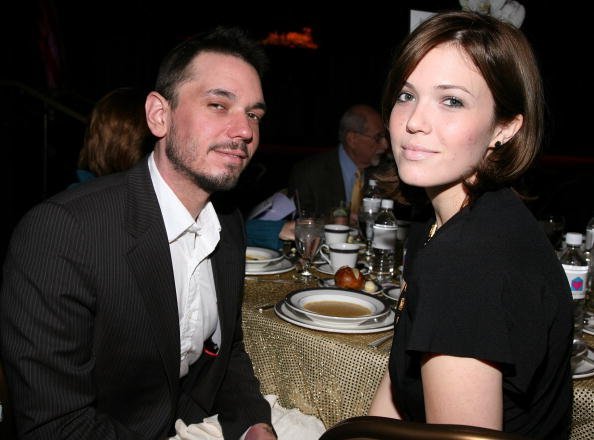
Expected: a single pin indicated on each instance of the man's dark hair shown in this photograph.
(224, 40)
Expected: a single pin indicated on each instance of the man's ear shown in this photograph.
(350, 137)
(157, 114)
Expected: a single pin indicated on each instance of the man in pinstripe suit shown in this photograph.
(121, 302)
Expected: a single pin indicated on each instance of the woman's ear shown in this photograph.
(508, 130)
(157, 109)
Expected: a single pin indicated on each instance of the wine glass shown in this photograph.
(367, 214)
(309, 231)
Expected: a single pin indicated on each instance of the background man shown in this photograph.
(323, 181)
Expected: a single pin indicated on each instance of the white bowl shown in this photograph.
(298, 300)
(259, 257)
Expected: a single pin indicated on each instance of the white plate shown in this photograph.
(298, 300)
(329, 282)
(392, 292)
(262, 257)
(281, 266)
(285, 313)
(584, 368)
(325, 268)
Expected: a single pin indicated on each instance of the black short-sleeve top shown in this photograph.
(489, 286)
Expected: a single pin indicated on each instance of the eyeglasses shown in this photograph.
(377, 138)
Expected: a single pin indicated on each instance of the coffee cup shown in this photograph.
(340, 254)
(335, 233)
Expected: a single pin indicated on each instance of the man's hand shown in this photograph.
(260, 431)
(288, 231)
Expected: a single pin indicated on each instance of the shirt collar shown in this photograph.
(175, 215)
(346, 163)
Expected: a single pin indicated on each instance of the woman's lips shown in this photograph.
(416, 153)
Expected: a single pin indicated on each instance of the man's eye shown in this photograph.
(254, 116)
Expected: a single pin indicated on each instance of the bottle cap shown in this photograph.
(372, 182)
(389, 203)
(573, 238)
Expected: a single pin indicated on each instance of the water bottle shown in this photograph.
(372, 191)
(576, 268)
(384, 242)
(590, 235)
(589, 307)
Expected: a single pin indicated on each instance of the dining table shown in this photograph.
(333, 376)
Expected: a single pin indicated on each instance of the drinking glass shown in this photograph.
(309, 231)
(369, 209)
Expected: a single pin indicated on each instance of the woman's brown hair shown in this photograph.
(505, 59)
(117, 135)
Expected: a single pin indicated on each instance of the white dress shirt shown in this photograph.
(191, 242)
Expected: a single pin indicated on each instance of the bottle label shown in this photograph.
(384, 237)
(577, 276)
(373, 204)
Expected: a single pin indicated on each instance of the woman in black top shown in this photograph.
(484, 336)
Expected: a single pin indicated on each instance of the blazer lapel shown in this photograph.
(150, 262)
(228, 266)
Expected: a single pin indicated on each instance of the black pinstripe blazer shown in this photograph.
(89, 321)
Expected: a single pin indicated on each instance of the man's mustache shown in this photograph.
(230, 146)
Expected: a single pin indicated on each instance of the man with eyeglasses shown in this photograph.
(328, 179)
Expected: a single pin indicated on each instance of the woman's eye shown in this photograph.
(404, 97)
(453, 102)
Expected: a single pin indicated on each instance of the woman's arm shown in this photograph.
(462, 391)
(383, 403)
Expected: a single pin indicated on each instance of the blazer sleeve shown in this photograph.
(46, 321)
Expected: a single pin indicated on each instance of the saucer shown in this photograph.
(325, 268)
(584, 368)
(281, 266)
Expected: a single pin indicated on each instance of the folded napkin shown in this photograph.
(276, 207)
(289, 424)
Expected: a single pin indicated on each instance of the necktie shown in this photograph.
(356, 194)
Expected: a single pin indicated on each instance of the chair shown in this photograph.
(384, 428)
(7, 429)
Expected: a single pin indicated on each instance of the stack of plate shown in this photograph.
(264, 261)
(336, 310)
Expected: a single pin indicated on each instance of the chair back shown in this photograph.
(7, 429)
(385, 428)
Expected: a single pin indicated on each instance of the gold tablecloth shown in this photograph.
(334, 376)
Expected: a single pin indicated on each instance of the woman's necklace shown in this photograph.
(431, 233)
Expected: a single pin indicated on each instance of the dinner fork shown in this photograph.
(375, 344)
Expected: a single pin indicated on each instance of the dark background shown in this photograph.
(101, 45)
